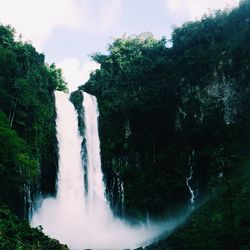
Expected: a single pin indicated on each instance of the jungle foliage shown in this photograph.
(17, 235)
(223, 223)
(158, 104)
(27, 106)
(28, 146)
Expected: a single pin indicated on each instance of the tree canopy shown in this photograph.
(160, 103)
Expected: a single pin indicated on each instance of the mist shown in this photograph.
(81, 218)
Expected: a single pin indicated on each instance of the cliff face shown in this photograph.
(158, 105)
(220, 223)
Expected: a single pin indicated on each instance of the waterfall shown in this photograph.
(122, 199)
(120, 203)
(96, 188)
(189, 179)
(80, 215)
(27, 201)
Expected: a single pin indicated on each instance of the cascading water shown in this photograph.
(79, 215)
(96, 189)
(189, 179)
(122, 199)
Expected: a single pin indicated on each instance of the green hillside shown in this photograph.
(28, 151)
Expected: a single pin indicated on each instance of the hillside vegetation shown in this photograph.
(28, 151)
(165, 112)
(167, 109)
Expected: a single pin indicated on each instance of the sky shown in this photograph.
(69, 31)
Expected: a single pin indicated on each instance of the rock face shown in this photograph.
(158, 104)
(114, 184)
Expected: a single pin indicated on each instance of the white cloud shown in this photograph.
(110, 14)
(183, 10)
(75, 72)
(36, 20)
(104, 16)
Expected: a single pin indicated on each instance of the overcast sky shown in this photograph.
(67, 31)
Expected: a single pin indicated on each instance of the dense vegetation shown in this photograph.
(221, 223)
(160, 104)
(163, 110)
(16, 235)
(28, 151)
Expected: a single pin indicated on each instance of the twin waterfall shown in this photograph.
(80, 215)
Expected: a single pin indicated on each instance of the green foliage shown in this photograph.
(157, 104)
(221, 223)
(28, 142)
(17, 168)
(28, 151)
(132, 86)
(57, 75)
(16, 234)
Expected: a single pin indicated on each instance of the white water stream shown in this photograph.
(84, 219)
(189, 179)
